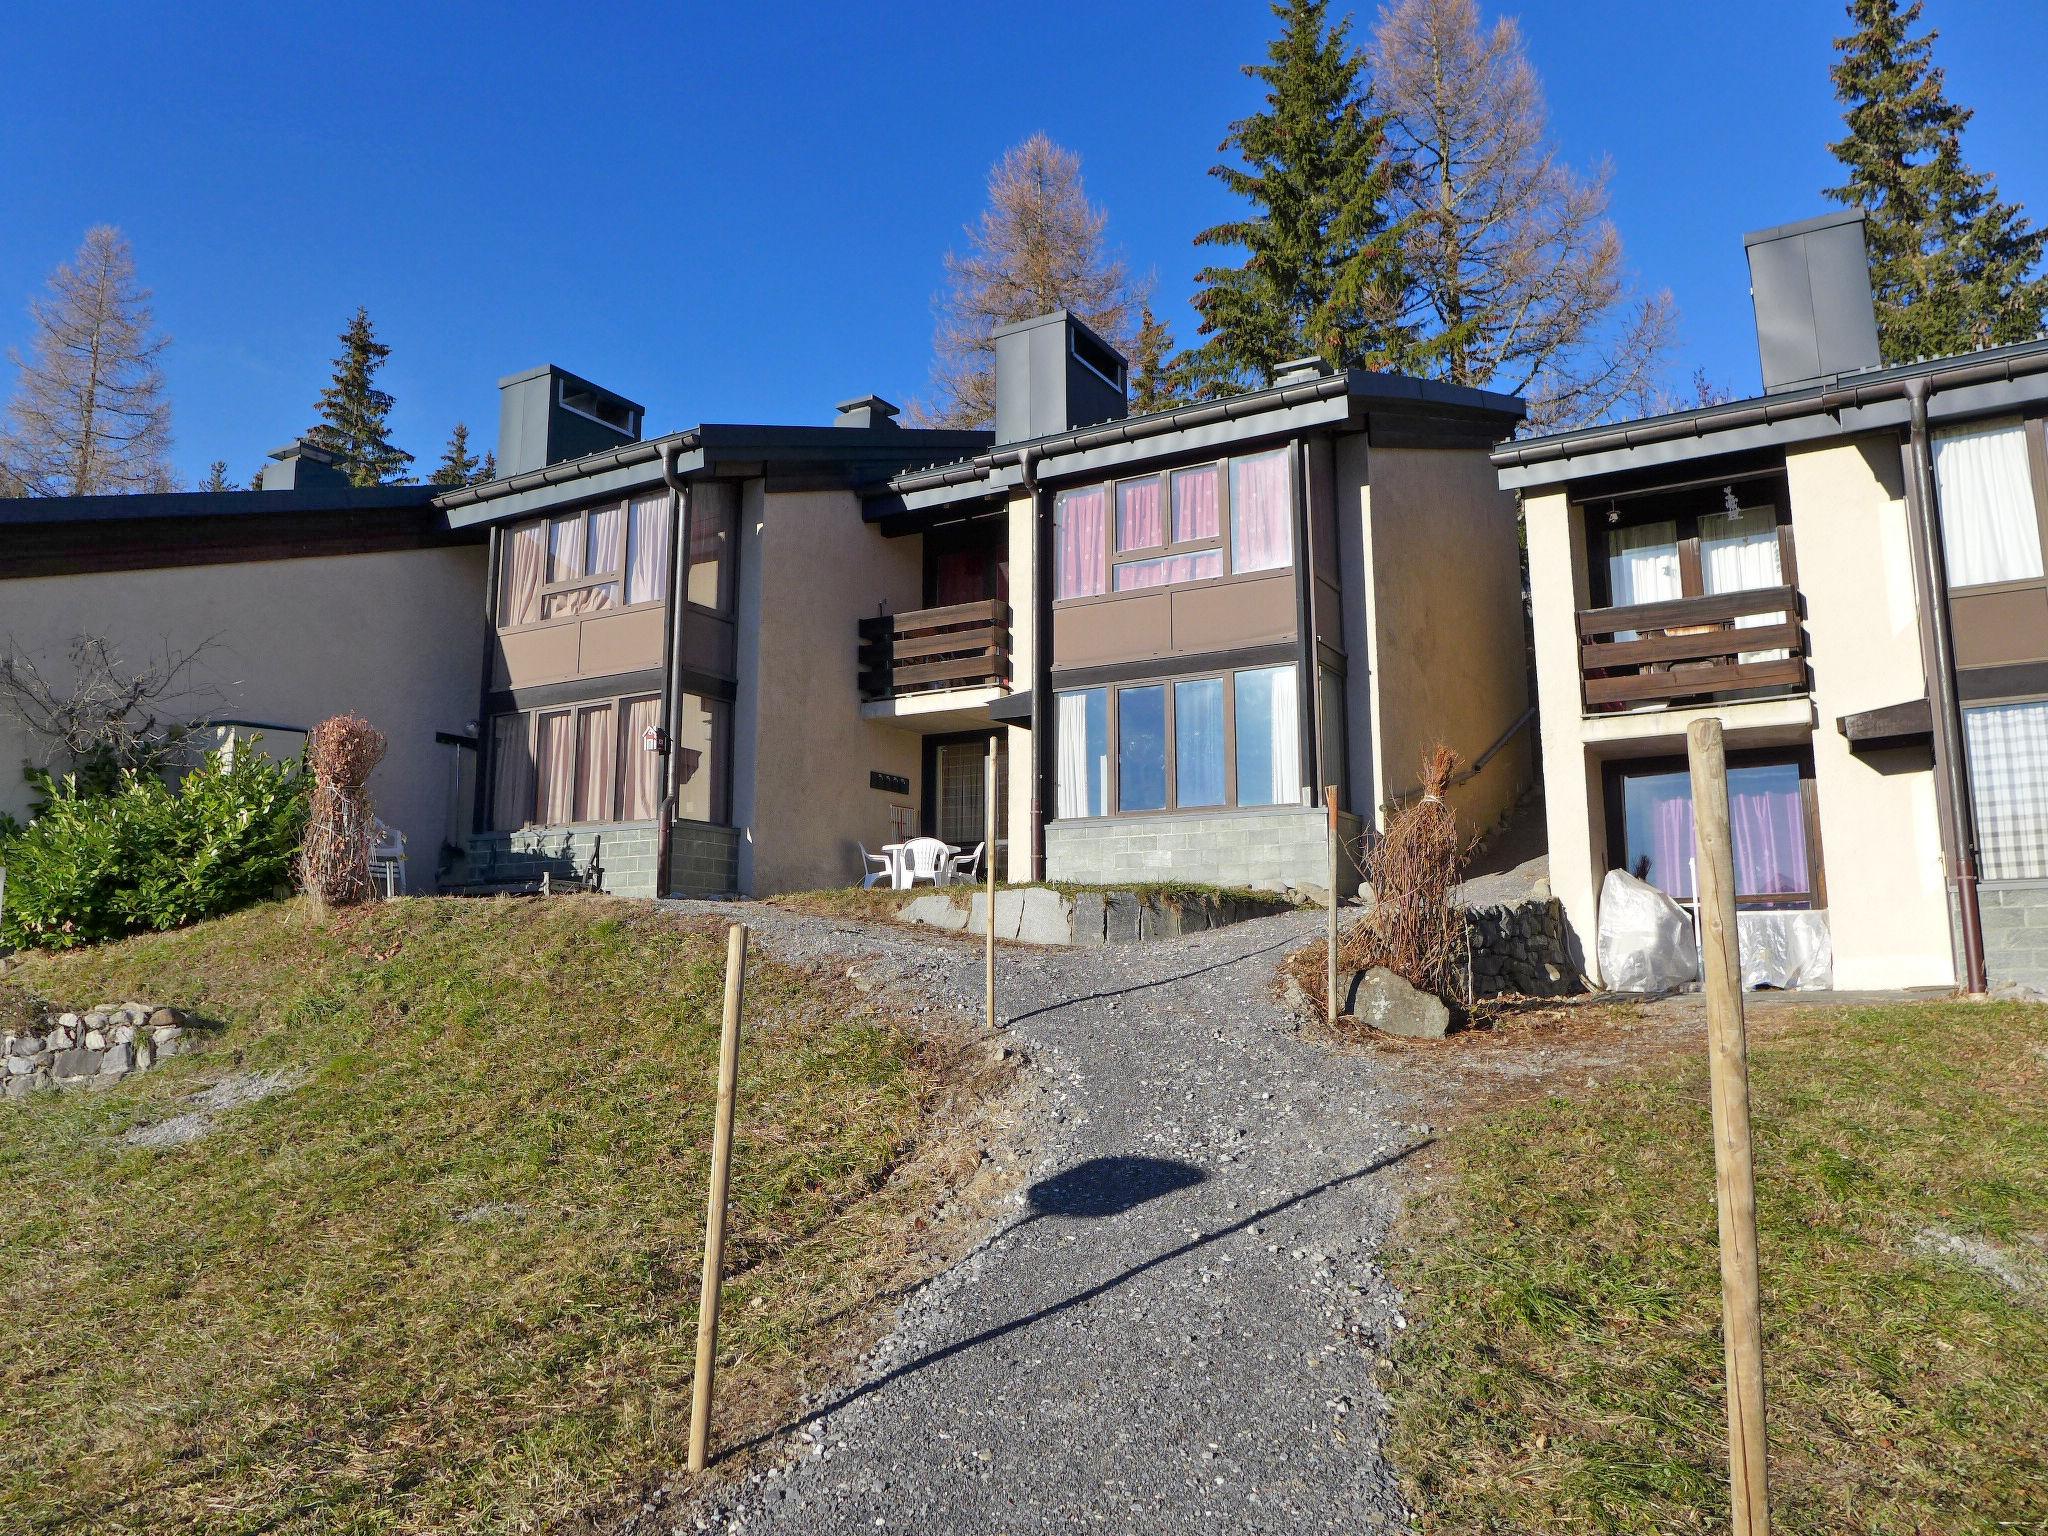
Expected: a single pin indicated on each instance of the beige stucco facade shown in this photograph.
(1880, 840)
(1433, 622)
(810, 570)
(394, 637)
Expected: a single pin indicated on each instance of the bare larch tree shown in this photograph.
(1037, 247)
(1518, 273)
(89, 414)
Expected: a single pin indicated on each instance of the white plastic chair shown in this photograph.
(387, 858)
(875, 867)
(926, 858)
(965, 866)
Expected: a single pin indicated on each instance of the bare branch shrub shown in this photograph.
(107, 718)
(334, 864)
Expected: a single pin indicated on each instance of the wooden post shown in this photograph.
(1330, 968)
(988, 854)
(1734, 1172)
(714, 1213)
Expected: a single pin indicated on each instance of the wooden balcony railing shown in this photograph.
(966, 645)
(1690, 648)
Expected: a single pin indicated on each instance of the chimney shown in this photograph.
(1054, 374)
(302, 465)
(1810, 285)
(547, 414)
(1299, 370)
(867, 411)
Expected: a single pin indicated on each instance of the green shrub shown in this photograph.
(94, 866)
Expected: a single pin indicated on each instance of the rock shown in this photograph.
(1120, 918)
(165, 1032)
(934, 911)
(18, 1087)
(145, 1055)
(25, 1045)
(20, 1066)
(1089, 918)
(124, 1034)
(1383, 1000)
(1295, 998)
(78, 1062)
(118, 1061)
(166, 1018)
(67, 1021)
(95, 1040)
(1043, 917)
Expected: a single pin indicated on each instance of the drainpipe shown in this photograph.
(671, 629)
(1308, 697)
(1041, 656)
(1947, 711)
(494, 556)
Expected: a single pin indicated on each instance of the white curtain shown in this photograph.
(1071, 794)
(1739, 553)
(1286, 748)
(1988, 521)
(1642, 567)
(2007, 747)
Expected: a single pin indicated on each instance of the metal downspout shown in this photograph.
(664, 834)
(1308, 695)
(1947, 707)
(1041, 658)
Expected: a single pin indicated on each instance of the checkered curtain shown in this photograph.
(2008, 753)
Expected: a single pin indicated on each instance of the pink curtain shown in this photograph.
(1261, 517)
(1768, 827)
(1138, 523)
(1197, 497)
(1198, 566)
(555, 754)
(1080, 550)
(596, 738)
(647, 539)
(511, 771)
(525, 556)
(640, 782)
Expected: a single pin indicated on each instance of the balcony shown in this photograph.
(936, 651)
(1690, 650)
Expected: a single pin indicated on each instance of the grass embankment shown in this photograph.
(1565, 1374)
(448, 1282)
(880, 904)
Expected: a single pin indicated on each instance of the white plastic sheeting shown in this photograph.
(1791, 950)
(1646, 938)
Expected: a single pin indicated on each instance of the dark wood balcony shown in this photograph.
(933, 650)
(1690, 649)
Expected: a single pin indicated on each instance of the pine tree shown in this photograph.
(256, 480)
(1951, 267)
(89, 415)
(216, 476)
(1038, 247)
(458, 465)
(354, 413)
(1156, 381)
(1322, 272)
(488, 470)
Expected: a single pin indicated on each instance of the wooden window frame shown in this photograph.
(1615, 770)
(624, 507)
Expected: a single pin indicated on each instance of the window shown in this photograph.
(1767, 821)
(1141, 748)
(639, 769)
(1173, 745)
(511, 773)
(597, 740)
(555, 762)
(2007, 747)
(519, 580)
(703, 735)
(1261, 513)
(647, 539)
(585, 562)
(1268, 738)
(1138, 524)
(708, 577)
(1168, 570)
(1990, 526)
(1079, 567)
(1198, 742)
(1081, 774)
(1197, 503)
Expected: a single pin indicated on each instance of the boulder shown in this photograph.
(1390, 1005)
(118, 1060)
(1043, 917)
(76, 1063)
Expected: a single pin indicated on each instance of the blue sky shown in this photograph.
(737, 212)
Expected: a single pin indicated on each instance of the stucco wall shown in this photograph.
(1447, 656)
(1023, 551)
(810, 570)
(397, 638)
(1880, 837)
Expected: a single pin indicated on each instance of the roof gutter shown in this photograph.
(664, 448)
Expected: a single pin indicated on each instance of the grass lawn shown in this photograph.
(447, 1282)
(1564, 1371)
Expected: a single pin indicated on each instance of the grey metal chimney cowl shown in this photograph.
(1054, 374)
(548, 414)
(1810, 285)
(302, 465)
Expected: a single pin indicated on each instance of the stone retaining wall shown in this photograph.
(703, 860)
(1036, 914)
(100, 1046)
(1521, 948)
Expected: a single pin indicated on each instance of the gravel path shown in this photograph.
(1176, 1328)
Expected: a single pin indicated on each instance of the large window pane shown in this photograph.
(1261, 513)
(511, 769)
(1080, 546)
(1268, 738)
(1766, 821)
(1989, 526)
(1138, 523)
(639, 769)
(565, 548)
(555, 767)
(2007, 746)
(519, 581)
(596, 741)
(1198, 742)
(707, 581)
(1197, 503)
(702, 727)
(1141, 748)
(647, 539)
(606, 542)
(1081, 773)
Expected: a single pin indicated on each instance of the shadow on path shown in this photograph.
(1080, 1298)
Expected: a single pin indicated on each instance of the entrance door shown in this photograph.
(959, 791)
